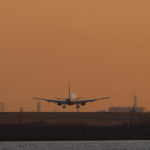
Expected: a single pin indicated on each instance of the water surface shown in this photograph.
(76, 145)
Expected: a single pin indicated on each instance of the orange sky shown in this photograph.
(101, 46)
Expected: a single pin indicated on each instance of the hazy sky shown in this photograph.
(101, 46)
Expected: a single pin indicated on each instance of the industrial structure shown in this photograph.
(133, 108)
(126, 109)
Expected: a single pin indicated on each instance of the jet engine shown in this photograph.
(83, 104)
(59, 104)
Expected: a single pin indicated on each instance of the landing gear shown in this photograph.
(64, 107)
(77, 106)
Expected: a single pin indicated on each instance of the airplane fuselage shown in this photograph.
(69, 101)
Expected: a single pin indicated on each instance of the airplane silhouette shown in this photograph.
(70, 100)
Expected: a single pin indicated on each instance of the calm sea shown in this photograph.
(76, 145)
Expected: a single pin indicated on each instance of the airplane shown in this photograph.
(70, 100)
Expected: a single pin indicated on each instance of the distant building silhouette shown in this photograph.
(21, 109)
(134, 108)
(125, 109)
(101, 111)
(2, 107)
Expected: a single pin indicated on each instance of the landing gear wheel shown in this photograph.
(64, 106)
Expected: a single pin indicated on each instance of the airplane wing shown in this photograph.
(50, 100)
(90, 100)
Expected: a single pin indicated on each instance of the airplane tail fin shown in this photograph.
(69, 89)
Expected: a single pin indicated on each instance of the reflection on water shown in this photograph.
(76, 145)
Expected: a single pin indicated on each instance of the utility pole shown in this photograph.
(38, 107)
(134, 103)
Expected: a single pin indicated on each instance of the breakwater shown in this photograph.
(74, 126)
